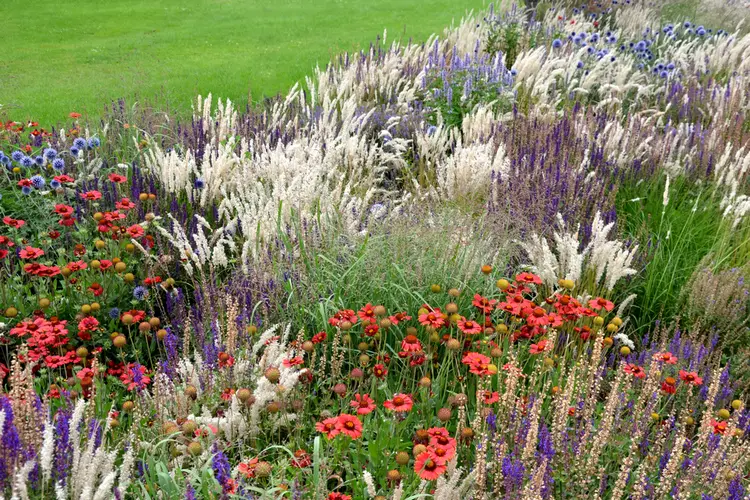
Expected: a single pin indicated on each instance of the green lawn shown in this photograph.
(61, 56)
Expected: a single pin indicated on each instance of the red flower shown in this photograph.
(319, 337)
(30, 253)
(635, 370)
(371, 329)
(328, 427)
(25, 183)
(411, 344)
(248, 468)
(432, 318)
(54, 234)
(135, 377)
(62, 209)
(490, 397)
(537, 317)
(4, 240)
(136, 231)
(91, 195)
(14, 223)
(3, 254)
(484, 304)
(439, 436)
(363, 403)
(528, 278)
(380, 371)
(77, 266)
(367, 313)
(74, 115)
(668, 385)
(293, 361)
(690, 378)
(469, 327)
(227, 394)
(86, 373)
(719, 427)
(96, 289)
(666, 357)
(538, 348)
(124, 204)
(138, 316)
(478, 363)
(400, 403)
(349, 425)
(225, 360)
(302, 459)
(398, 317)
(117, 178)
(429, 466)
(338, 496)
(64, 179)
(599, 302)
(341, 316)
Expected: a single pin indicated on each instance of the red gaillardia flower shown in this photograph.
(349, 425)
(363, 403)
(400, 403)
(469, 327)
(429, 466)
(690, 377)
(635, 370)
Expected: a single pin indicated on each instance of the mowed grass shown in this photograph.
(63, 56)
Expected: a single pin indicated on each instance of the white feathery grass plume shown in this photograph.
(602, 257)
(371, 490)
(48, 450)
(126, 468)
(104, 491)
(19, 486)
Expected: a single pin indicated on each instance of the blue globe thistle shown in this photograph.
(54, 184)
(199, 183)
(50, 153)
(38, 181)
(26, 190)
(26, 161)
(94, 142)
(670, 66)
(556, 43)
(114, 313)
(140, 292)
(58, 164)
(17, 156)
(664, 74)
(5, 160)
(79, 143)
(701, 31)
(687, 24)
(431, 130)
(39, 160)
(74, 150)
(579, 65)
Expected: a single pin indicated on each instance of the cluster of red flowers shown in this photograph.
(432, 462)
(346, 424)
(46, 339)
(5, 244)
